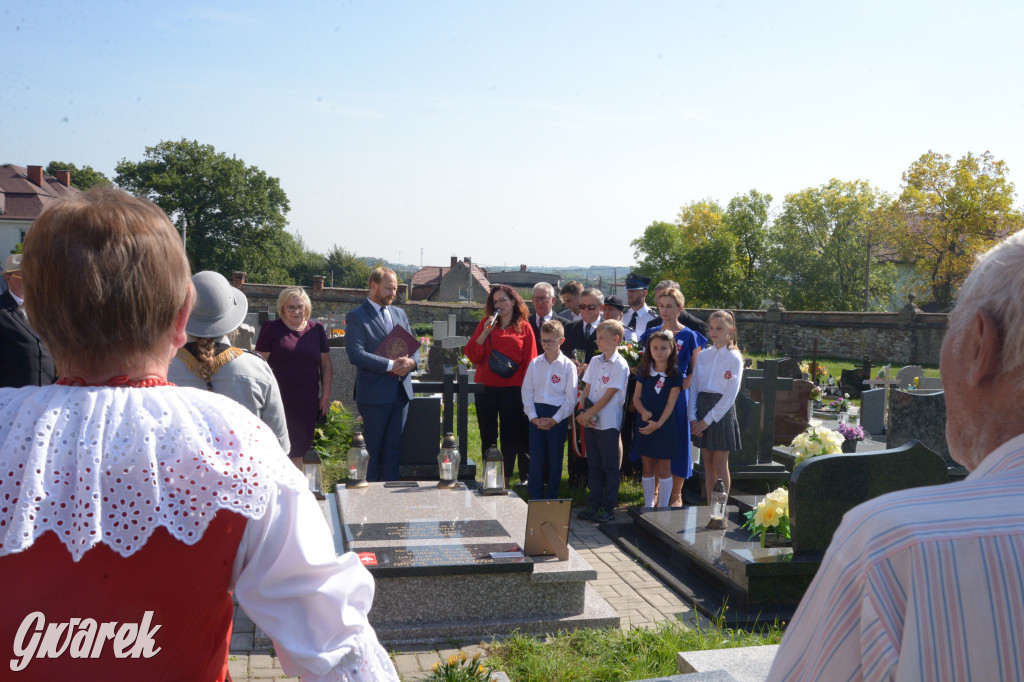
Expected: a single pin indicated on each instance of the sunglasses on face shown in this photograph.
(592, 306)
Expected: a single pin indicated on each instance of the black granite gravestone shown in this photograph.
(824, 488)
(852, 381)
(769, 384)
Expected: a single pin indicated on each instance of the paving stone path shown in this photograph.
(640, 599)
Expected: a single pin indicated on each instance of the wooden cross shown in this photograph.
(769, 384)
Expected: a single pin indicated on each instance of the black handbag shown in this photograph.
(501, 364)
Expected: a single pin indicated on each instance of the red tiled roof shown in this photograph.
(428, 275)
(21, 199)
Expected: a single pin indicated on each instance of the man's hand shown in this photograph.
(403, 366)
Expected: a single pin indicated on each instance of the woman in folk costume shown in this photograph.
(131, 509)
(209, 361)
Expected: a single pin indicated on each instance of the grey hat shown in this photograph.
(13, 263)
(219, 307)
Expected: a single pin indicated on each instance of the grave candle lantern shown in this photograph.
(448, 462)
(716, 506)
(494, 472)
(358, 458)
(312, 468)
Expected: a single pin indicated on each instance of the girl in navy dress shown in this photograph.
(658, 386)
(688, 344)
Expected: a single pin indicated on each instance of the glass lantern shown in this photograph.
(716, 506)
(448, 460)
(494, 472)
(358, 458)
(312, 467)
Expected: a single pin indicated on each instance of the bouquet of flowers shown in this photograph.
(631, 353)
(841, 405)
(816, 393)
(817, 440)
(851, 432)
(819, 375)
(771, 512)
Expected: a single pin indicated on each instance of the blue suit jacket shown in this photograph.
(364, 330)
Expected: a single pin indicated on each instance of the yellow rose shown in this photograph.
(768, 515)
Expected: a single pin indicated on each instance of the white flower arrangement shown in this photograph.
(816, 440)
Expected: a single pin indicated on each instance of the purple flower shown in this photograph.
(851, 431)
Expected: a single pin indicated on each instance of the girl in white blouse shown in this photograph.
(712, 411)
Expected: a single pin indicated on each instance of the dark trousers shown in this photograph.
(382, 429)
(603, 455)
(546, 448)
(504, 404)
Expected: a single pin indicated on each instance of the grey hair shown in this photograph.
(996, 285)
(545, 287)
(667, 284)
(594, 293)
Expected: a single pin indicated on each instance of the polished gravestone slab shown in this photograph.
(728, 566)
(445, 566)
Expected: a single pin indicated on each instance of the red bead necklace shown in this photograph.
(123, 381)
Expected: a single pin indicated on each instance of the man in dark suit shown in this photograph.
(383, 387)
(24, 359)
(543, 299)
(570, 295)
(694, 323)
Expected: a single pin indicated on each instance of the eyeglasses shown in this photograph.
(549, 342)
(295, 308)
(502, 300)
(542, 298)
(592, 306)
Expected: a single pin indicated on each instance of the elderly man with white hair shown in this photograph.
(926, 583)
(543, 300)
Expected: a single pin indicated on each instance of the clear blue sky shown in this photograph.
(547, 133)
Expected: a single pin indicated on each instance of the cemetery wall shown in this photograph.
(907, 337)
(897, 338)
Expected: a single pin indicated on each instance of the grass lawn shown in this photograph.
(613, 654)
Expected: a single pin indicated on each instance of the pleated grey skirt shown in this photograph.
(724, 434)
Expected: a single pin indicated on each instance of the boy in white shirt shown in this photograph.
(549, 394)
(603, 398)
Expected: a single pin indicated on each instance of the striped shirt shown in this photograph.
(921, 584)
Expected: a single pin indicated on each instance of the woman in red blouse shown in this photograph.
(503, 339)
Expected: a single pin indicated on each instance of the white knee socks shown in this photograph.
(664, 492)
(648, 485)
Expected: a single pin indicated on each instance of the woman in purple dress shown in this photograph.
(298, 353)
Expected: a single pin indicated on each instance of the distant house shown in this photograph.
(462, 280)
(23, 194)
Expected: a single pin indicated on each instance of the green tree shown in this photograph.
(746, 218)
(231, 216)
(81, 178)
(821, 256)
(303, 263)
(348, 269)
(659, 252)
(951, 212)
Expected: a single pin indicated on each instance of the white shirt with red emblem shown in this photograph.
(718, 370)
(550, 383)
(602, 375)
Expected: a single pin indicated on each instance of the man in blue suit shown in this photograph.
(383, 387)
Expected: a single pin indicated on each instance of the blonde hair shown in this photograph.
(675, 295)
(287, 294)
(552, 327)
(377, 274)
(613, 327)
(105, 276)
(730, 320)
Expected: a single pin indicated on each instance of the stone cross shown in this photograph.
(887, 381)
(445, 336)
(769, 384)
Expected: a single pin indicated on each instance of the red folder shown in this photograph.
(396, 344)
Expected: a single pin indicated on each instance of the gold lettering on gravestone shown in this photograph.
(439, 530)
